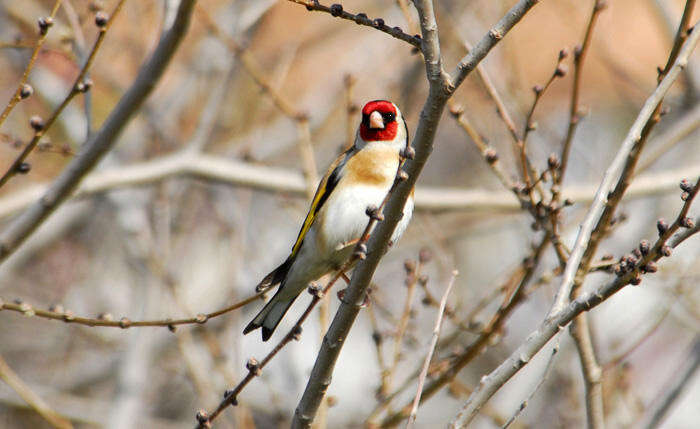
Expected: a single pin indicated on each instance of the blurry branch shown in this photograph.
(80, 85)
(580, 330)
(251, 66)
(666, 399)
(44, 25)
(350, 110)
(431, 350)
(490, 155)
(93, 150)
(56, 312)
(515, 285)
(543, 378)
(669, 138)
(666, 12)
(555, 322)
(31, 398)
(646, 334)
(615, 172)
(276, 179)
(413, 277)
(280, 101)
(495, 34)
(336, 10)
(580, 52)
(591, 370)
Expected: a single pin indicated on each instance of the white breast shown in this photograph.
(346, 220)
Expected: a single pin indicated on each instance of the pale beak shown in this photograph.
(376, 121)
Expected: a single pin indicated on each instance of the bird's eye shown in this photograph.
(388, 117)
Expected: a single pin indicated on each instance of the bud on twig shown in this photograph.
(336, 9)
(644, 247)
(26, 91)
(408, 153)
(24, 168)
(425, 255)
(686, 186)
(687, 222)
(661, 226)
(253, 366)
(84, 86)
(491, 155)
(101, 19)
(560, 70)
(44, 24)
(36, 123)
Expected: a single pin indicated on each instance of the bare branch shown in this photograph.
(579, 59)
(431, 349)
(58, 313)
(361, 19)
(276, 179)
(680, 381)
(613, 172)
(80, 85)
(27, 394)
(556, 322)
(92, 151)
(44, 25)
(498, 32)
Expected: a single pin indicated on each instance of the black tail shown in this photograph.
(270, 316)
(276, 276)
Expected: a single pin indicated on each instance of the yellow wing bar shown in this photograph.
(328, 183)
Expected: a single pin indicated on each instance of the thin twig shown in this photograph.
(56, 312)
(579, 60)
(413, 275)
(543, 378)
(431, 350)
(361, 18)
(673, 391)
(517, 283)
(554, 323)
(32, 399)
(44, 31)
(93, 150)
(80, 85)
(613, 173)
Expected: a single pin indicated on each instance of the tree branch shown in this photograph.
(92, 151)
(613, 173)
(492, 382)
(275, 179)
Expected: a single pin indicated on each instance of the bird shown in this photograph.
(359, 178)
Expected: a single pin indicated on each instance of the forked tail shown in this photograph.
(270, 316)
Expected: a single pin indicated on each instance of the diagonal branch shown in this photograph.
(336, 10)
(614, 171)
(552, 325)
(151, 72)
(491, 39)
(31, 398)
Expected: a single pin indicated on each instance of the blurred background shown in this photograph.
(181, 246)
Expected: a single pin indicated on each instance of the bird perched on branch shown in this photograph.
(360, 177)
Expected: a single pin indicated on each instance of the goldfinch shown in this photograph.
(358, 178)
